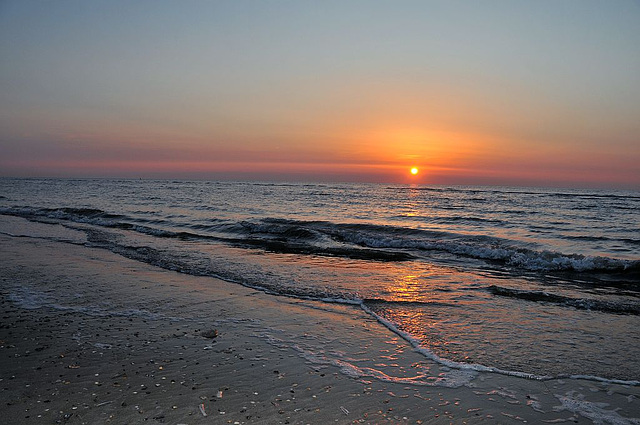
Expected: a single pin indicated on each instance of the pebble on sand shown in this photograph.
(211, 334)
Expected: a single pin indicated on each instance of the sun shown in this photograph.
(414, 170)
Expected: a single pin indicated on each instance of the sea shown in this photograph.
(535, 282)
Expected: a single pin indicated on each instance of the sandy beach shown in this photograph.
(319, 212)
(90, 337)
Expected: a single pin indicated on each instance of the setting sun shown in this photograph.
(414, 171)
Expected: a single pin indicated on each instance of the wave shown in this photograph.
(80, 215)
(532, 260)
(473, 246)
(600, 239)
(488, 248)
(197, 264)
(482, 368)
(511, 191)
(190, 264)
(360, 241)
(301, 230)
(282, 247)
(578, 303)
(277, 246)
(453, 219)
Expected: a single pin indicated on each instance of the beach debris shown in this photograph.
(204, 413)
(210, 334)
(344, 410)
(219, 394)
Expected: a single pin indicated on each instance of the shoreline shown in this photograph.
(89, 336)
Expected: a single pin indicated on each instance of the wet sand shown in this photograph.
(90, 337)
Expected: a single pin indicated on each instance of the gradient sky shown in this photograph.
(492, 92)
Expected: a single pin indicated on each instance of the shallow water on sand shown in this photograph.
(140, 337)
(531, 281)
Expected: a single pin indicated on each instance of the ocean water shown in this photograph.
(531, 282)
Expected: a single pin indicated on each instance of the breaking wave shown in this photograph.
(360, 241)
(578, 303)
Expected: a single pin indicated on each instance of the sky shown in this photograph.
(524, 93)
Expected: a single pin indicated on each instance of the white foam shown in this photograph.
(446, 362)
(449, 379)
(463, 367)
(597, 412)
(478, 367)
(28, 299)
(31, 299)
(513, 256)
(605, 380)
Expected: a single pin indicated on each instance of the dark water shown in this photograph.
(534, 281)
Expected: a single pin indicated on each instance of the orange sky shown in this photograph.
(502, 93)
